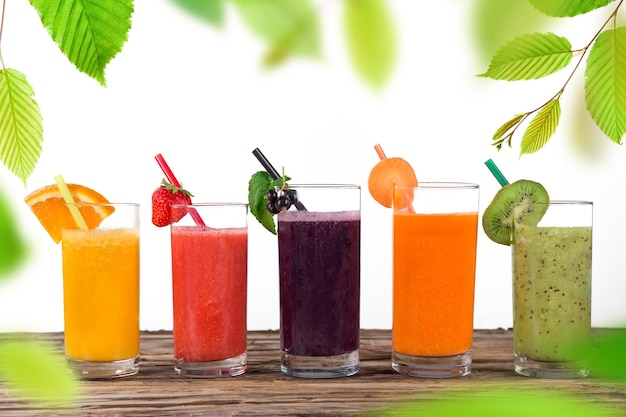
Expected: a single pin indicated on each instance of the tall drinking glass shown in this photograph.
(434, 260)
(319, 268)
(209, 279)
(101, 293)
(552, 290)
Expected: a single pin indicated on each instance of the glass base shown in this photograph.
(549, 370)
(104, 370)
(336, 366)
(212, 369)
(432, 367)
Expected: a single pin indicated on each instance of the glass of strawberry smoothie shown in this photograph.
(209, 277)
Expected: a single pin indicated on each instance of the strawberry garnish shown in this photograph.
(162, 200)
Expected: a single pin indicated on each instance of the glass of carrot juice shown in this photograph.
(209, 278)
(101, 293)
(434, 261)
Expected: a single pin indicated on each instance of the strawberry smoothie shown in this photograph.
(209, 272)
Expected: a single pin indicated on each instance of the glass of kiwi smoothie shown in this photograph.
(552, 288)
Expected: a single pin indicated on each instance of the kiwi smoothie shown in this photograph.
(552, 292)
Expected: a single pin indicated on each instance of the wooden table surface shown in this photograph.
(265, 391)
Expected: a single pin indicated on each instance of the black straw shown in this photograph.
(273, 172)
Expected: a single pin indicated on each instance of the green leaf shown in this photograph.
(37, 372)
(530, 56)
(89, 32)
(371, 38)
(493, 22)
(258, 185)
(21, 128)
(12, 247)
(605, 83)
(568, 8)
(210, 11)
(502, 130)
(504, 401)
(542, 127)
(290, 27)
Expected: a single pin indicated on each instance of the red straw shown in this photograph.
(381, 155)
(172, 179)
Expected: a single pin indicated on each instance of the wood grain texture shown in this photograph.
(265, 391)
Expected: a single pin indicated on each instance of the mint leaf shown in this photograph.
(568, 8)
(21, 127)
(258, 185)
(542, 127)
(530, 56)
(605, 83)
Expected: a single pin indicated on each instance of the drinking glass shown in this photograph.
(319, 268)
(552, 290)
(101, 293)
(434, 262)
(209, 279)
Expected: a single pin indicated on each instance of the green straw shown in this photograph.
(496, 172)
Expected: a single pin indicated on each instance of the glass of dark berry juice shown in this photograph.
(319, 268)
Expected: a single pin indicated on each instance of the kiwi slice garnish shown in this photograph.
(511, 206)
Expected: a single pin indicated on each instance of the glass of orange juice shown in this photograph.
(101, 293)
(434, 261)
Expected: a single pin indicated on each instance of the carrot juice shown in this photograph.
(101, 300)
(434, 261)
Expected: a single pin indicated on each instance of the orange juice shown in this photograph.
(433, 283)
(101, 294)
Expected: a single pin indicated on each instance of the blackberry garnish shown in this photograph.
(283, 203)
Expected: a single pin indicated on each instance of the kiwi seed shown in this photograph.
(510, 206)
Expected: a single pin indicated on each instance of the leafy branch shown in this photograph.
(537, 55)
(90, 33)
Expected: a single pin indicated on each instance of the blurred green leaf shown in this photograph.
(21, 128)
(290, 27)
(568, 8)
(530, 56)
(210, 11)
(371, 38)
(12, 246)
(542, 127)
(511, 402)
(494, 22)
(37, 372)
(89, 33)
(606, 356)
(605, 83)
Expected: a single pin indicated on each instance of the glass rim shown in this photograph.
(441, 185)
(562, 203)
(213, 204)
(315, 185)
(110, 203)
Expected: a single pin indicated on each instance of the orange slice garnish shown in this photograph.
(48, 205)
(387, 173)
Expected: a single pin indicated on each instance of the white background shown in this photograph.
(197, 95)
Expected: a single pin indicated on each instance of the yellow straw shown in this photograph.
(67, 196)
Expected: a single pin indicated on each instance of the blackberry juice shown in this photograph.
(319, 265)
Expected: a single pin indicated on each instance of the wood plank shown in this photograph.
(264, 390)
